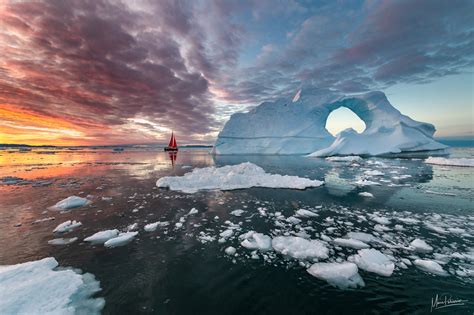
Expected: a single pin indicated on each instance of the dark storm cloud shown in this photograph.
(359, 46)
(101, 63)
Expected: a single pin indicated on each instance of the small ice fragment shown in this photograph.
(366, 194)
(153, 226)
(300, 248)
(353, 243)
(257, 241)
(230, 251)
(303, 213)
(62, 241)
(340, 275)
(421, 246)
(430, 266)
(102, 236)
(372, 260)
(237, 212)
(193, 211)
(67, 226)
(373, 173)
(121, 240)
(70, 203)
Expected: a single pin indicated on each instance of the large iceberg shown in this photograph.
(298, 126)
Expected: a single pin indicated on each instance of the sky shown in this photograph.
(92, 72)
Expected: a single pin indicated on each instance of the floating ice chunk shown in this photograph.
(303, 213)
(430, 266)
(237, 212)
(379, 219)
(193, 211)
(121, 240)
(408, 220)
(257, 241)
(132, 227)
(35, 287)
(153, 226)
(349, 158)
(372, 260)
(420, 246)
(366, 194)
(226, 234)
(361, 236)
(67, 226)
(293, 220)
(300, 248)
(62, 241)
(231, 177)
(349, 242)
(457, 230)
(230, 251)
(435, 228)
(340, 275)
(374, 173)
(468, 162)
(102, 236)
(70, 203)
(364, 182)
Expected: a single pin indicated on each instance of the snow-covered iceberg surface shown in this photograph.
(231, 177)
(297, 126)
(36, 287)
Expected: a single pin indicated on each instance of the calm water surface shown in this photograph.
(185, 270)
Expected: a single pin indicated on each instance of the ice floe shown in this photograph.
(366, 194)
(430, 266)
(342, 275)
(300, 248)
(62, 241)
(254, 240)
(67, 226)
(102, 236)
(372, 260)
(348, 242)
(153, 226)
(466, 162)
(70, 203)
(420, 246)
(231, 177)
(121, 240)
(37, 287)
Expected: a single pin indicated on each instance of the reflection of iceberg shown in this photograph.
(298, 127)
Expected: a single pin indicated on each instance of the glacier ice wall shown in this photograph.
(297, 126)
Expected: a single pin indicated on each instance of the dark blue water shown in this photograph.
(185, 270)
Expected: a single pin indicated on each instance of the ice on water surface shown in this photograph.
(37, 287)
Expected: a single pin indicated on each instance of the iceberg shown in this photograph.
(37, 287)
(244, 175)
(298, 126)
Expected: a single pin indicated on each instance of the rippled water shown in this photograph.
(176, 271)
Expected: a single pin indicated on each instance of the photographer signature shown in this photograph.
(443, 301)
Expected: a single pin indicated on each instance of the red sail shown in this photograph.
(172, 143)
(175, 145)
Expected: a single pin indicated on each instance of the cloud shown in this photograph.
(99, 63)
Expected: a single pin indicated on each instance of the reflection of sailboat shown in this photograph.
(172, 146)
(173, 155)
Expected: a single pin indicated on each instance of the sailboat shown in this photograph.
(172, 146)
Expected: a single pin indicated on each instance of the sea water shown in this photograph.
(182, 267)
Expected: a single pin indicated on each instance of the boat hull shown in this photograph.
(171, 149)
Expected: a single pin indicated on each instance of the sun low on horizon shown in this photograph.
(123, 72)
